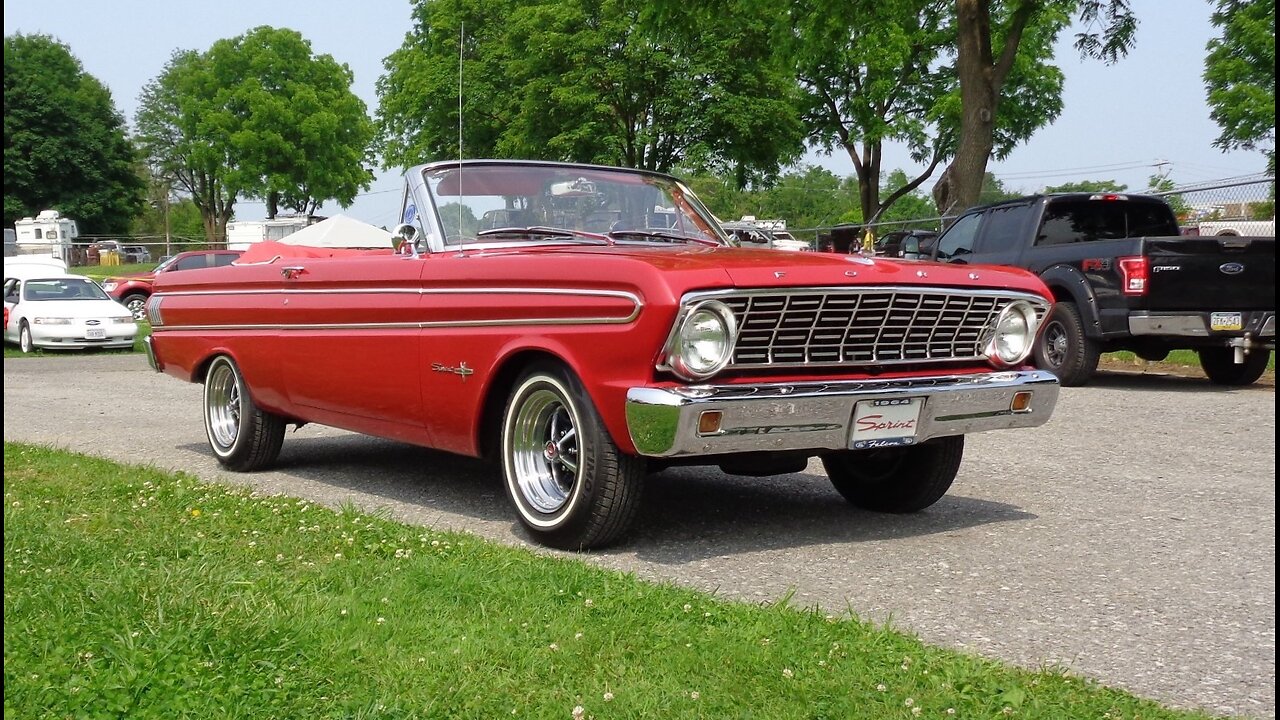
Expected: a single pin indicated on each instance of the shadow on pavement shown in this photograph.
(686, 514)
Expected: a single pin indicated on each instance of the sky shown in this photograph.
(1125, 122)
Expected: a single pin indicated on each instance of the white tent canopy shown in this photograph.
(340, 231)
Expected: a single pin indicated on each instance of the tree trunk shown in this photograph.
(273, 204)
(982, 76)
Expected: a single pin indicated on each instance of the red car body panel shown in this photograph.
(410, 347)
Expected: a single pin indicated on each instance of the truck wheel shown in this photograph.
(572, 487)
(137, 304)
(898, 479)
(1220, 365)
(1064, 349)
(241, 435)
(25, 344)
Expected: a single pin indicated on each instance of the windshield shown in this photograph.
(63, 289)
(564, 203)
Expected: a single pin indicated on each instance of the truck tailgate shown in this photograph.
(1211, 273)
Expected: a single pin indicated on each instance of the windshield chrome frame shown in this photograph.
(431, 228)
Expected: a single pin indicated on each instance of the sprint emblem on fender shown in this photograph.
(462, 370)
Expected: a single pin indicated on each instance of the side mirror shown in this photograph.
(405, 235)
(911, 248)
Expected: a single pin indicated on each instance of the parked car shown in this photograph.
(1125, 278)
(500, 327)
(895, 244)
(136, 254)
(53, 310)
(133, 290)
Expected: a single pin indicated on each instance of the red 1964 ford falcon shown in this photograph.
(584, 324)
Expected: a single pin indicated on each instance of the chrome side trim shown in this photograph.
(637, 306)
(818, 417)
(152, 360)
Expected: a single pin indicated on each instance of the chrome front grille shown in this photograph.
(871, 326)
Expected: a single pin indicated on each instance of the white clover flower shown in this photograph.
(608, 697)
(786, 673)
(694, 695)
(881, 687)
(578, 712)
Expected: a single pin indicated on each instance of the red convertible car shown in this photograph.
(584, 325)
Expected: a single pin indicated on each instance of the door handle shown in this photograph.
(292, 272)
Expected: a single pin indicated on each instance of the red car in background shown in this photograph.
(133, 290)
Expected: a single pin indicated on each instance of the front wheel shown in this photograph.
(1220, 365)
(241, 435)
(897, 479)
(137, 305)
(1064, 349)
(571, 485)
(25, 343)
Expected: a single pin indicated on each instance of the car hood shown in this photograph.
(81, 309)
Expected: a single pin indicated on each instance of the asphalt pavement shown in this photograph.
(1130, 540)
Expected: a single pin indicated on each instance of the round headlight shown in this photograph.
(1012, 334)
(703, 344)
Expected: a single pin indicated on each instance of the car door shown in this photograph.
(12, 293)
(350, 336)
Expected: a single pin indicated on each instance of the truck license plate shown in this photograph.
(885, 423)
(95, 334)
(1225, 321)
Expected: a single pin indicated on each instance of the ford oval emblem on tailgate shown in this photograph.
(1231, 268)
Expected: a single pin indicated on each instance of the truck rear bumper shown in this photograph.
(1253, 324)
(672, 422)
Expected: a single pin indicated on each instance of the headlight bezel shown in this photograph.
(1018, 310)
(52, 321)
(674, 353)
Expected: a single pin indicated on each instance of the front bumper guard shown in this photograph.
(663, 422)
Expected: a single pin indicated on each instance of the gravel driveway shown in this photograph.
(1131, 539)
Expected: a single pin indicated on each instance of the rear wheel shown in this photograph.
(241, 435)
(898, 479)
(572, 487)
(1220, 365)
(1064, 349)
(137, 304)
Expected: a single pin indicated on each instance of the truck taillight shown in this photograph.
(1134, 273)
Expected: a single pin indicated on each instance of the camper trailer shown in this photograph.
(46, 234)
(243, 233)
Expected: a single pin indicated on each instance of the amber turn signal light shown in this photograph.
(709, 422)
(1021, 402)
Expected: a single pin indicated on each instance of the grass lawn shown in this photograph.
(102, 272)
(130, 592)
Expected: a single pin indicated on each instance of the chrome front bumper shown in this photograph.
(151, 355)
(663, 422)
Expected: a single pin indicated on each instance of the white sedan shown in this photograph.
(64, 312)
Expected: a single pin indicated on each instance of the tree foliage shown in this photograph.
(64, 141)
(257, 116)
(1240, 76)
(587, 81)
(1090, 186)
(298, 135)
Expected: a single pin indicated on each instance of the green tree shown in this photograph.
(587, 81)
(993, 190)
(1240, 75)
(1089, 186)
(989, 36)
(298, 134)
(174, 129)
(64, 141)
(256, 116)
(911, 205)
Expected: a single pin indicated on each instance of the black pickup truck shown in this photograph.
(1124, 279)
